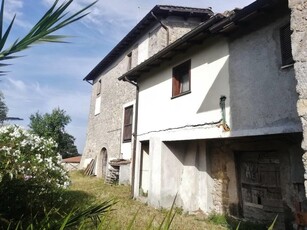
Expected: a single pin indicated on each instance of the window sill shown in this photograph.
(126, 141)
(181, 94)
(287, 66)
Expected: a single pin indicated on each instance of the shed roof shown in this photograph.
(76, 159)
(219, 23)
(161, 11)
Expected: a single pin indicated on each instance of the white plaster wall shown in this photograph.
(143, 49)
(156, 148)
(158, 111)
(184, 173)
(263, 95)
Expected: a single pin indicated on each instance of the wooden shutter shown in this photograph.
(128, 118)
(181, 74)
(285, 45)
(176, 85)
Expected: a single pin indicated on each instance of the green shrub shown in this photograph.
(31, 175)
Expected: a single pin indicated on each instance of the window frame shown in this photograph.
(178, 73)
(128, 124)
(98, 92)
(285, 46)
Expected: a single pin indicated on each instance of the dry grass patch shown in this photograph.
(126, 208)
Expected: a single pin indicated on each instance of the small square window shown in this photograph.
(99, 87)
(285, 45)
(182, 79)
(128, 119)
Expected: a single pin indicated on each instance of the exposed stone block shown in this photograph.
(298, 20)
(302, 107)
(304, 142)
(296, 3)
(301, 72)
(299, 45)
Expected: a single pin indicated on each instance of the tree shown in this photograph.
(3, 109)
(53, 126)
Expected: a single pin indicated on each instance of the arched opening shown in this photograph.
(101, 163)
(104, 161)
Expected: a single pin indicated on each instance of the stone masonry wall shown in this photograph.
(299, 51)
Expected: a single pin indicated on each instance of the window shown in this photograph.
(181, 79)
(129, 61)
(128, 117)
(99, 87)
(285, 45)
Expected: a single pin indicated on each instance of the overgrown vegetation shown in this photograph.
(35, 194)
(129, 213)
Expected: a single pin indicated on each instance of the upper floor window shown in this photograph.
(128, 118)
(99, 87)
(285, 45)
(129, 56)
(182, 79)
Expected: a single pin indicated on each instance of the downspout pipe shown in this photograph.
(164, 26)
(134, 134)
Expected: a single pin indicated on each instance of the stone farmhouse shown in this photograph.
(112, 109)
(208, 107)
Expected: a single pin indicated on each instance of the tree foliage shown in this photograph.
(53, 126)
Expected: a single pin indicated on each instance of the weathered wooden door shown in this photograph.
(259, 176)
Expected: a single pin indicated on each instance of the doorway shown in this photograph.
(144, 169)
(259, 185)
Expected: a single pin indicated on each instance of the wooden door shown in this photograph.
(259, 176)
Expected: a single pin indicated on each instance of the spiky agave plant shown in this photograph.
(54, 19)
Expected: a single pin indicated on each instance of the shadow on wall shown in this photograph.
(184, 173)
(219, 87)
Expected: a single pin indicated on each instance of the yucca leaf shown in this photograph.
(1, 18)
(92, 211)
(149, 226)
(9, 57)
(131, 222)
(272, 225)
(237, 228)
(50, 22)
(6, 34)
(53, 38)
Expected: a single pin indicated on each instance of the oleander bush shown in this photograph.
(31, 176)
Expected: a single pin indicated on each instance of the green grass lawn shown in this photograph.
(91, 189)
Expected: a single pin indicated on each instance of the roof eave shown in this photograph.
(147, 20)
(214, 25)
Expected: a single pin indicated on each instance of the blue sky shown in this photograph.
(50, 75)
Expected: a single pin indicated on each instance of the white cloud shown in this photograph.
(25, 98)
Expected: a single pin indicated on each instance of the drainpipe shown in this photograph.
(134, 134)
(164, 26)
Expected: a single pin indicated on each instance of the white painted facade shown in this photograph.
(260, 98)
(158, 111)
